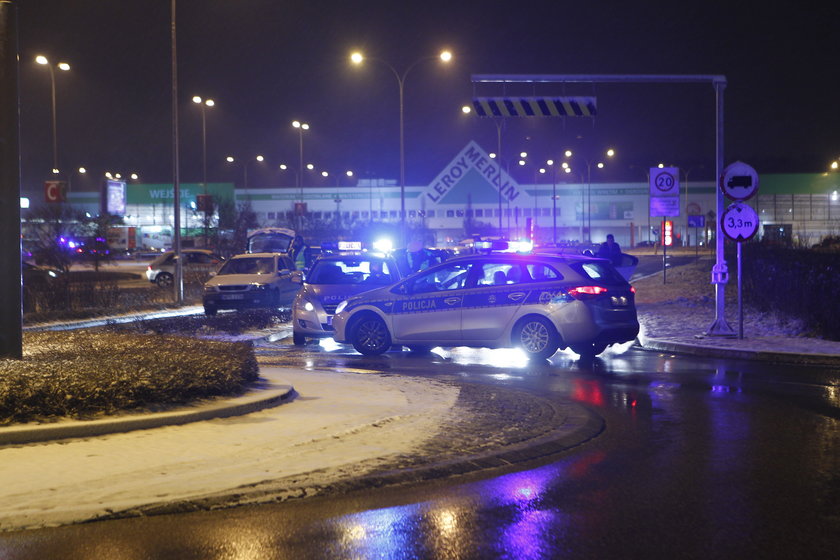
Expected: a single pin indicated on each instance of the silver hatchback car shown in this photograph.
(332, 279)
(540, 303)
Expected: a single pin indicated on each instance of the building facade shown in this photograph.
(473, 194)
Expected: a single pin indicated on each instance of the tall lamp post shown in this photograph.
(600, 165)
(204, 103)
(63, 66)
(466, 109)
(300, 126)
(358, 58)
(231, 159)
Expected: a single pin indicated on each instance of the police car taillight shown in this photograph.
(587, 292)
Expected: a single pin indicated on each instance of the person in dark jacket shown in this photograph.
(610, 250)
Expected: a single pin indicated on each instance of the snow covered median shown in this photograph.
(341, 425)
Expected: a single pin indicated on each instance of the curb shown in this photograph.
(269, 391)
(676, 347)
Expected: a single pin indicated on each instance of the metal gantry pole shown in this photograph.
(720, 273)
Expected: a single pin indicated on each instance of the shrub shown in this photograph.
(800, 283)
(81, 374)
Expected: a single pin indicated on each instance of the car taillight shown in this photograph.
(586, 292)
(632, 290)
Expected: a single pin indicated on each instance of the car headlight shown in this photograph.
(261, 287)
(304, 305)
(340, 307)
(209, 289)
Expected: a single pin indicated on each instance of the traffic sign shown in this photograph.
(696, 220)
(739, 181)
(664, 206)
(664, 181)
(739, 222)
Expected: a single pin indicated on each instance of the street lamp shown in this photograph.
(466, 109)
(358, 58)
(204, 103)
(326, 175)
(231, 159)
(63, 66)
(600, 165)
(300, 126)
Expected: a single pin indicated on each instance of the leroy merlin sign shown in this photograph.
(472, 176)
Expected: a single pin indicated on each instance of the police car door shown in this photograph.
(492, 303)
(431, 308)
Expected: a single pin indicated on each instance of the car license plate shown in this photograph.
(233, 296)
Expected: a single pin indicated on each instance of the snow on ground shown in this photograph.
(342, 425)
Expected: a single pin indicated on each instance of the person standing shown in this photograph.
(610, 250)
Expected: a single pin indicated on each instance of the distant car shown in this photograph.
(198, 264)
(251, 280)
(539, 303)
(332, 279)
(35, 277)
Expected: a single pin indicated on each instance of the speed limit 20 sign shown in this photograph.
(664, 191)
(664, 181)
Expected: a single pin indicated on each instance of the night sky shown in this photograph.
(268, 62)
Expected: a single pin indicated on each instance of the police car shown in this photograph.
(333, 278)
(540, 303)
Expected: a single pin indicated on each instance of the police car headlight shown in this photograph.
(308, 306)
(340, 307)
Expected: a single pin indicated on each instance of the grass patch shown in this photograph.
(84, 374)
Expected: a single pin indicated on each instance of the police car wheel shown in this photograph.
(371, 337)
(538, 337)
(298, 339)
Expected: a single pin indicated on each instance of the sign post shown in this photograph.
(664, 202)
(739, 222)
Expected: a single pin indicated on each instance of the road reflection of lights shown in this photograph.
(445, 521)
(589, 392)
(725, 389)
(497, 357)
(329, 344)
(378, 533)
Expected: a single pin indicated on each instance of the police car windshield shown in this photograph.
(351, 271)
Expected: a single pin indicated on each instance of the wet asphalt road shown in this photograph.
(699, 459)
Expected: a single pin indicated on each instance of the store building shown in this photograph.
(472, 193)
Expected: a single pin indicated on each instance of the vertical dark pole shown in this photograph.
(740, 296)
(11, 312)
(664, 249)
(176, 179)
